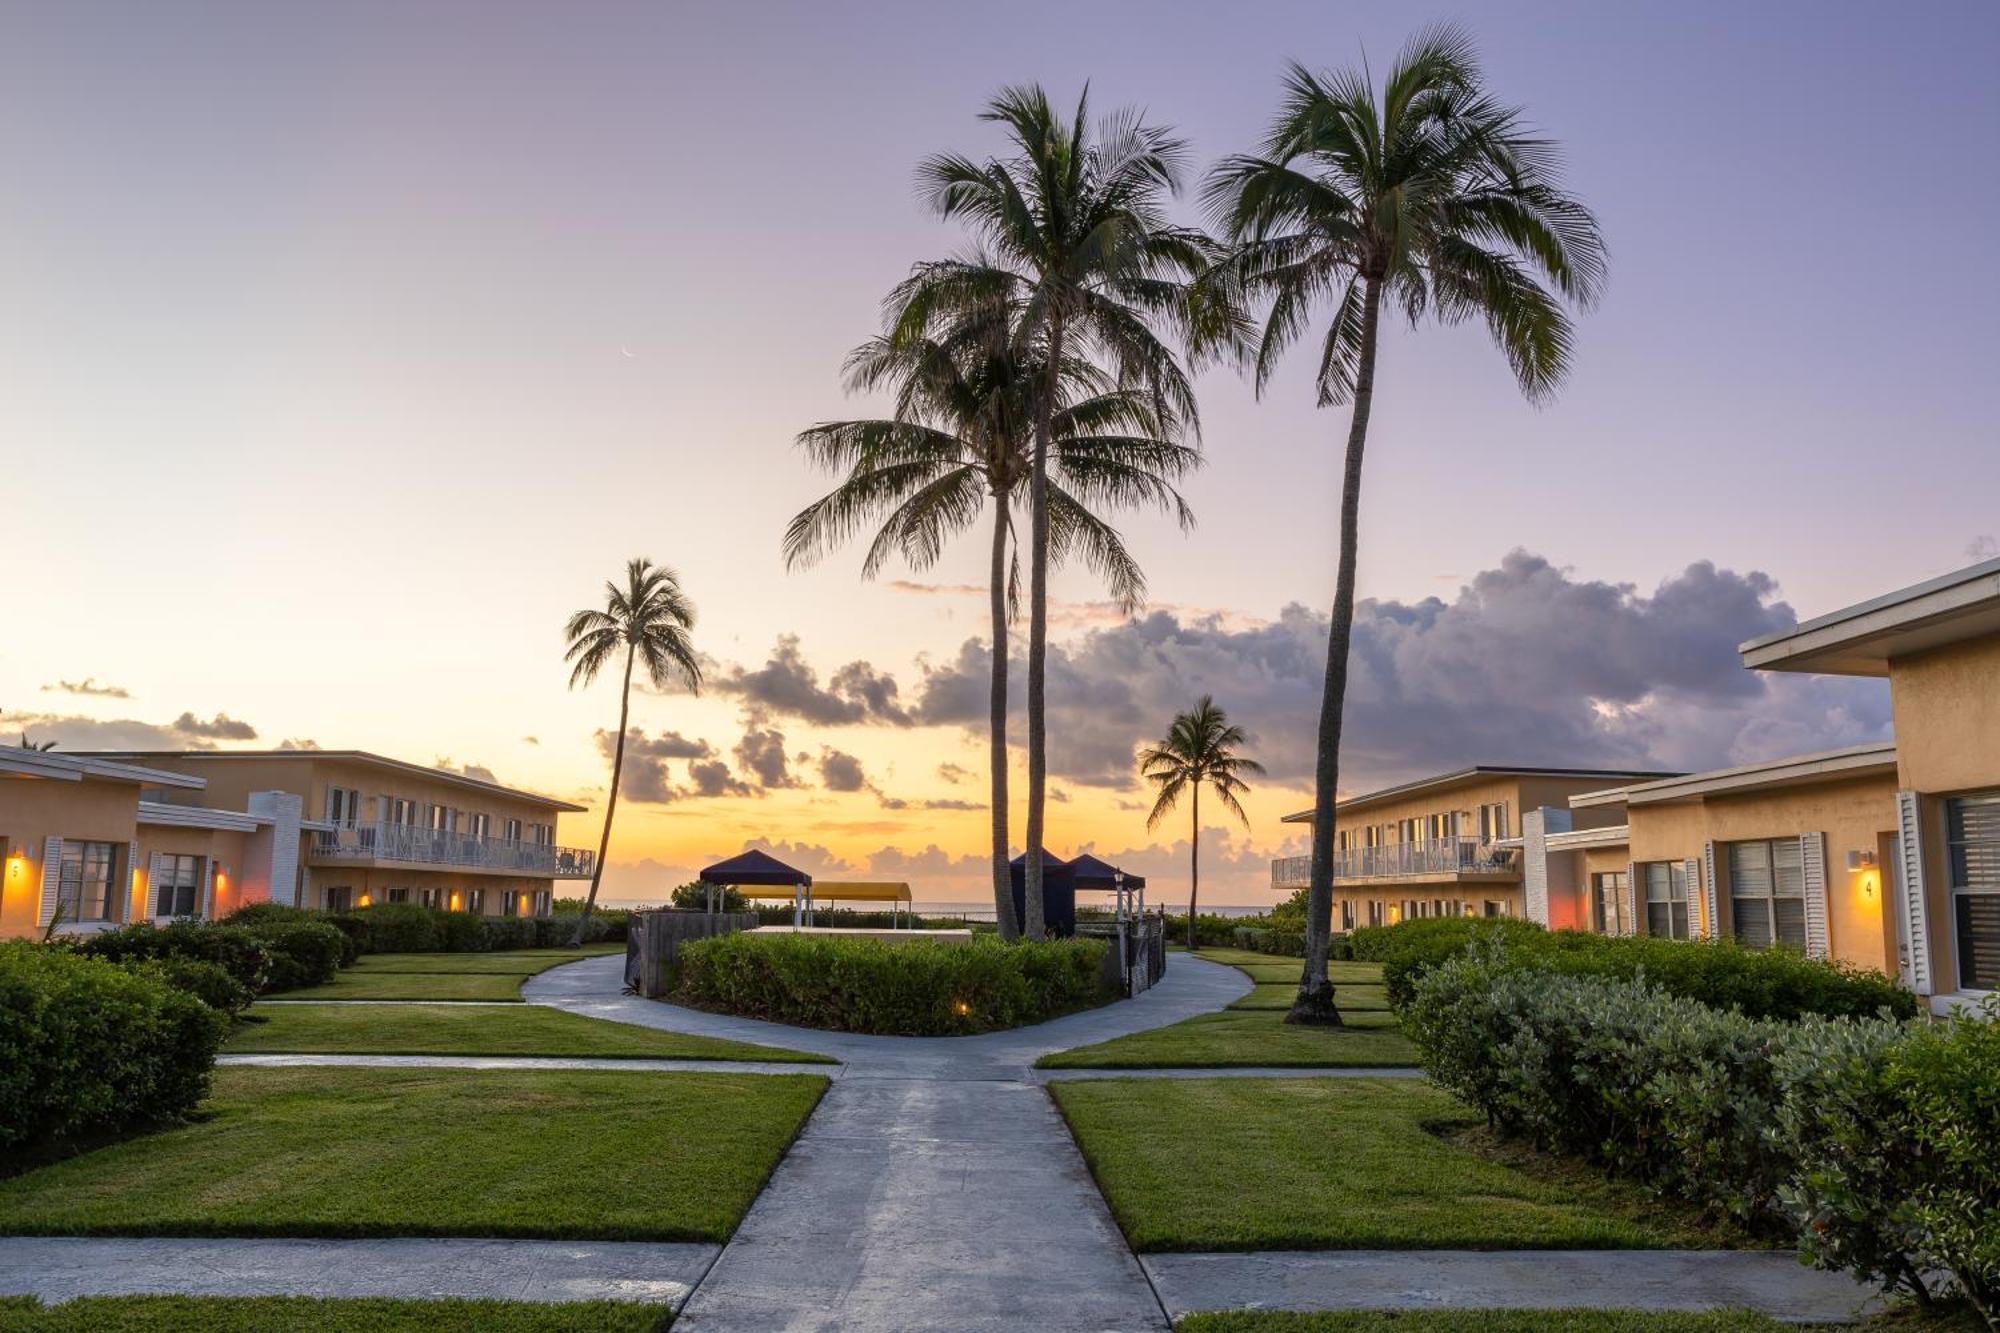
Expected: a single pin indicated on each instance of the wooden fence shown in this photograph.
(654, 943)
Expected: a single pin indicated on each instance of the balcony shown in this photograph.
(406, 844)
(1445, 858)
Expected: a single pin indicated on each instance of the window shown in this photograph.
(402, 813)
(1767, 893)
(340, 899)
(1346, 914)
(1667, 899)
(443, 818)
(1607, 897)
(84, 880)
(1493, 907)
(1493, 821)
(510, 904)
(396, 895)
(478, 825)
(1375, 912)
(475, 901)
(514, 830)
(343, 805)
(1972, 837)
(429, 897)
(542, 835)
(177, 886)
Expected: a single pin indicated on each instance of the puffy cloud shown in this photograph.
(87, 688)
(711, 777)
(1527, 665)
(761, 754)
(644, 776)
(299, 743)
(840, 771)
(221, 727)
(478, 771)
(531, 740)
(789, 685)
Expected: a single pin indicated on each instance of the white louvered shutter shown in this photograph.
(153, 867)
(1695, 920)
(1812, 861)
(51, 879)
(1913, 925)
(207, 910)
(1711, 919)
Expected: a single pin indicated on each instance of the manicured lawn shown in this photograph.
(298, 1314)
(1249, 1164)
(445, 1029)
(355, 983)
(514, 962)
(378, 1152)
(1236, 1038)
(1279, 995)
(1481, 1321)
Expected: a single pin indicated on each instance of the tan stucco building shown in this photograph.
(1885, 856)
(1439, 846)
(95, 840)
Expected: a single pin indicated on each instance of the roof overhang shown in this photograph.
(76, 767)
(1796, 771)
(1576, 840)
(159, 813)
(1861, 640)
(358, 757)
(1478, 772)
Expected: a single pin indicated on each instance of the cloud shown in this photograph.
(761, 754)
(221, 727)
(1527, 665)
(87, 687)
(788, 685)
(478, 771)
(299, 743)
(840, 771)
(711, 777)
(531, 740)
(643, 776)
(954, 773)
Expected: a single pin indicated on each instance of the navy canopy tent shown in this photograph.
(1087, 872)
(754, 867)
(1058, 893)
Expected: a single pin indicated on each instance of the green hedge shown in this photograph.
(303, 953)
(921, 988)
(1764, 983)
(90, 1047)
(1872, 1143)
(235, 949)
(208, 982)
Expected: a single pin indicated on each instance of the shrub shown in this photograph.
(402, 928)
(917, 988)
(208, 982)
(457, 932)
(89, 1047)
(693, 897)
(1283, 941)
(1211, 931)
(351, 931)
(303, 953)
(233, 948)
(510, 932)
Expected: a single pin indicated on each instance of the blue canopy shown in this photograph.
(754, 867)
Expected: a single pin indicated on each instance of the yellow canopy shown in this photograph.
(834, 891)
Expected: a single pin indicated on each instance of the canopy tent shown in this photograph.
(753, 867)
(1058, 893)
(809, 895)
(1090, 873)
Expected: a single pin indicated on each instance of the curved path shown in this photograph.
(935, 1186)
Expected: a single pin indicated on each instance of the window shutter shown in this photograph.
(51, 879)
(1912, 915)
(1711, 920)
(206, 909)
(1627, 904)
(153, 863)
(132, 907)
(1812, 860)
(1697, 923)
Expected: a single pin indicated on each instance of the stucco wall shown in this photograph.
(35, 809)
(1947, 710)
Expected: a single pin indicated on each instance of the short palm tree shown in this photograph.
(959, 438)
(649, 619)
(1431, 196)
(1077, 237)
(1199, 747)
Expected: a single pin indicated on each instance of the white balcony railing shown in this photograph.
(440, 847)
(1444, 856)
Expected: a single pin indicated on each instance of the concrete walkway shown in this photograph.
(641, 1064)
(1773, 1282)
(62, 1268)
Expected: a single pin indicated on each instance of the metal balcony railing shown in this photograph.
(1444, 856)
(440, 847)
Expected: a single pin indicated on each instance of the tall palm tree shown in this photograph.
(958, 439)
(1199, 747)
(1076, 236)
(1430, 195)
(649, 618)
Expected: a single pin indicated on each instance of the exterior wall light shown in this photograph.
(1860, 861)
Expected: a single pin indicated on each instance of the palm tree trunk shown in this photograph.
(1003, 889)
(1315, 1003)
(610, 806)
(1032, 924)
(1194, 872)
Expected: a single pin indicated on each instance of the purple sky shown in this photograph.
(440, 311)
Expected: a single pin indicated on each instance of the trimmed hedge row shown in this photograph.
(920, 988)
(414, 928)
(261, 956)
(1873, 1142)
(1764, 983)
(89, 1047)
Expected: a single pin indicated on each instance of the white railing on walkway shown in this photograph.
(443, 847)
(1442, 856)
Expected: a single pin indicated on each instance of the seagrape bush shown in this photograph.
(1873, 1143)
(917, 988)
(1764, 983)
(90, 1046)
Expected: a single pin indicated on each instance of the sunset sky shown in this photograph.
(346, 349)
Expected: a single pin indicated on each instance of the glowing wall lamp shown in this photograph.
(1862, 865)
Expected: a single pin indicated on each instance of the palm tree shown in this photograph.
(1199, 747)
(649, 618)
(1433, 196)
(958, 439)
(1077, 238)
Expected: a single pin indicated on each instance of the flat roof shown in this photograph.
(1859, 640)
(353, 756)
(1475, 772)
(826, 891)
(1612, 835)
(1791, 771)
(78, 765)
(159, 813)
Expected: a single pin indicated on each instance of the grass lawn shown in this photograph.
(513, 962)
(1481, 1321)
(1252, 1164)
(445, 1029)
(354, 983)
(1279, 995)
(380, 1152)
(299, 1314)
(1236, 1038)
